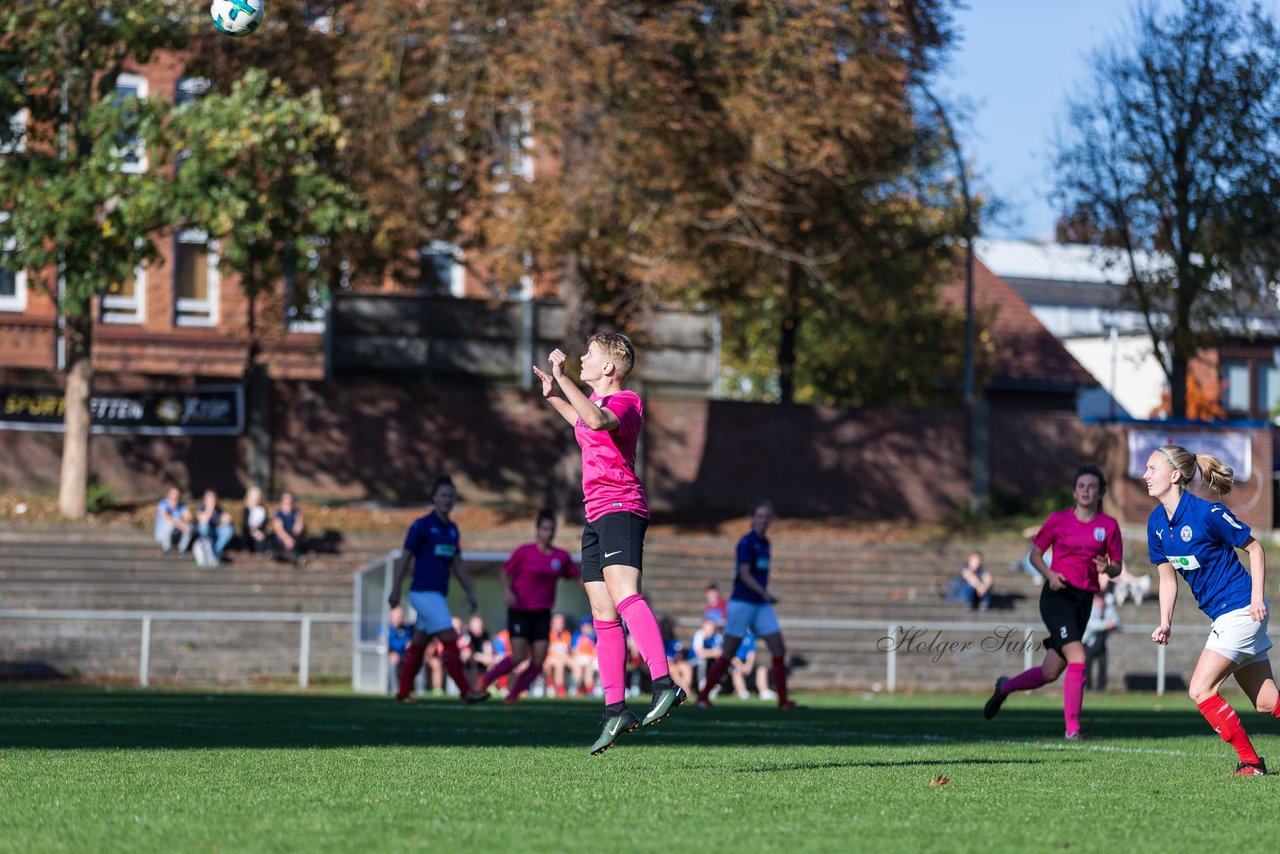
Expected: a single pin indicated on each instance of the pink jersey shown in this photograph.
(1075, 544)
(534, 575)
(609, 481)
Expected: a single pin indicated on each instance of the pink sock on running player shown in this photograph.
(644, 628)
(1025, 681)
(500, 669)
(611, 656)
(524, 680)
(1073, 696)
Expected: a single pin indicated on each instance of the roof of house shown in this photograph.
(1025, 355)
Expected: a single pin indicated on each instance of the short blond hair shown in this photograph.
(618, 348)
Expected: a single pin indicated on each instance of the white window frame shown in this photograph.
(127, 80)
(458, 274)
(305, 324)
(17, 302)
(122, 309)
(186, 311)
(18, 122)
(193, 87)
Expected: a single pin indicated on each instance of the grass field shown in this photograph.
(86, 769)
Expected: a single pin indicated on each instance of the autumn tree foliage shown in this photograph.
(768, 158)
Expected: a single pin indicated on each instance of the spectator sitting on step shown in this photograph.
(289, 530)
(677, 655)
(214, 528)
(707, 645)
(717, 608)
(173, 521)
(254, 533)
(978, 581)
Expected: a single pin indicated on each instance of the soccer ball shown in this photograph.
(236, 17)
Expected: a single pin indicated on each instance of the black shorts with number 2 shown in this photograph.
(1065, 613)
(613, 539)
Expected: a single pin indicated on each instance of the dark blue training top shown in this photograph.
(753, 550)
(433, 543)
(1200, 542)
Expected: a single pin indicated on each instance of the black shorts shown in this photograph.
(530, 625)
(613, 539)
(1065, 613)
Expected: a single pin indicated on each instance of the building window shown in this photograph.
(13, 133)
(190, 89)
(440, 272)
(13, 282)
(1235, 394)
(196, 285)
(123, 301)
(133, 151)
(306, 292)
(1268, 389)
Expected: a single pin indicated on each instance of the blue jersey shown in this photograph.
(753, 550)
(434, 543)
(1200, 542)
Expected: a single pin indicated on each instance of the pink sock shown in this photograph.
(1025, 681)
(1072, 696)
(524, 681)
(644, 628)
(500, 669)
(611, 656)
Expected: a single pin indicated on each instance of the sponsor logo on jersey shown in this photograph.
(1226, 517)
(1185, 563)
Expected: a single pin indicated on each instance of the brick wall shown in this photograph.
(358, 439)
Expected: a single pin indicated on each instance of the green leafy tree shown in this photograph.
(80, 221)
(255, 172)
(249, 166)
(1172, 157)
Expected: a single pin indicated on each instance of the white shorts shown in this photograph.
(758, 617)
(1236, 636)
(433, 611)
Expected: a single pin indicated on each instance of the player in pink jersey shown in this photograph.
(1086, 543)
(607, 427)
(529, 581)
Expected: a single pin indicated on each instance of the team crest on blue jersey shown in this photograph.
(1185, 533)
(1099, 534)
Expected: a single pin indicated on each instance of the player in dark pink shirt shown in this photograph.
(607, 427)
(1086, 543)
(529, 581)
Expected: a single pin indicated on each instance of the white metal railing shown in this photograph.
(149, 617)
(891, 640)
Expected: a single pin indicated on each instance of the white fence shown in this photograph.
(149, 617)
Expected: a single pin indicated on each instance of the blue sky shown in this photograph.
(1016, 63)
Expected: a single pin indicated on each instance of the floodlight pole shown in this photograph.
(979, 445)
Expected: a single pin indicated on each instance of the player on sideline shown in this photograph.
(751, 608)
(1086, 543)
(431, 546)
(607, 427)
(1198, 538)
(529, 582)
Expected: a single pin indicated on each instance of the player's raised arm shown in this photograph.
(595, 417)
(558, 403)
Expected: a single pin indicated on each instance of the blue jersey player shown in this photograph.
(431, 549)
(751, 608)
(1197, 539)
